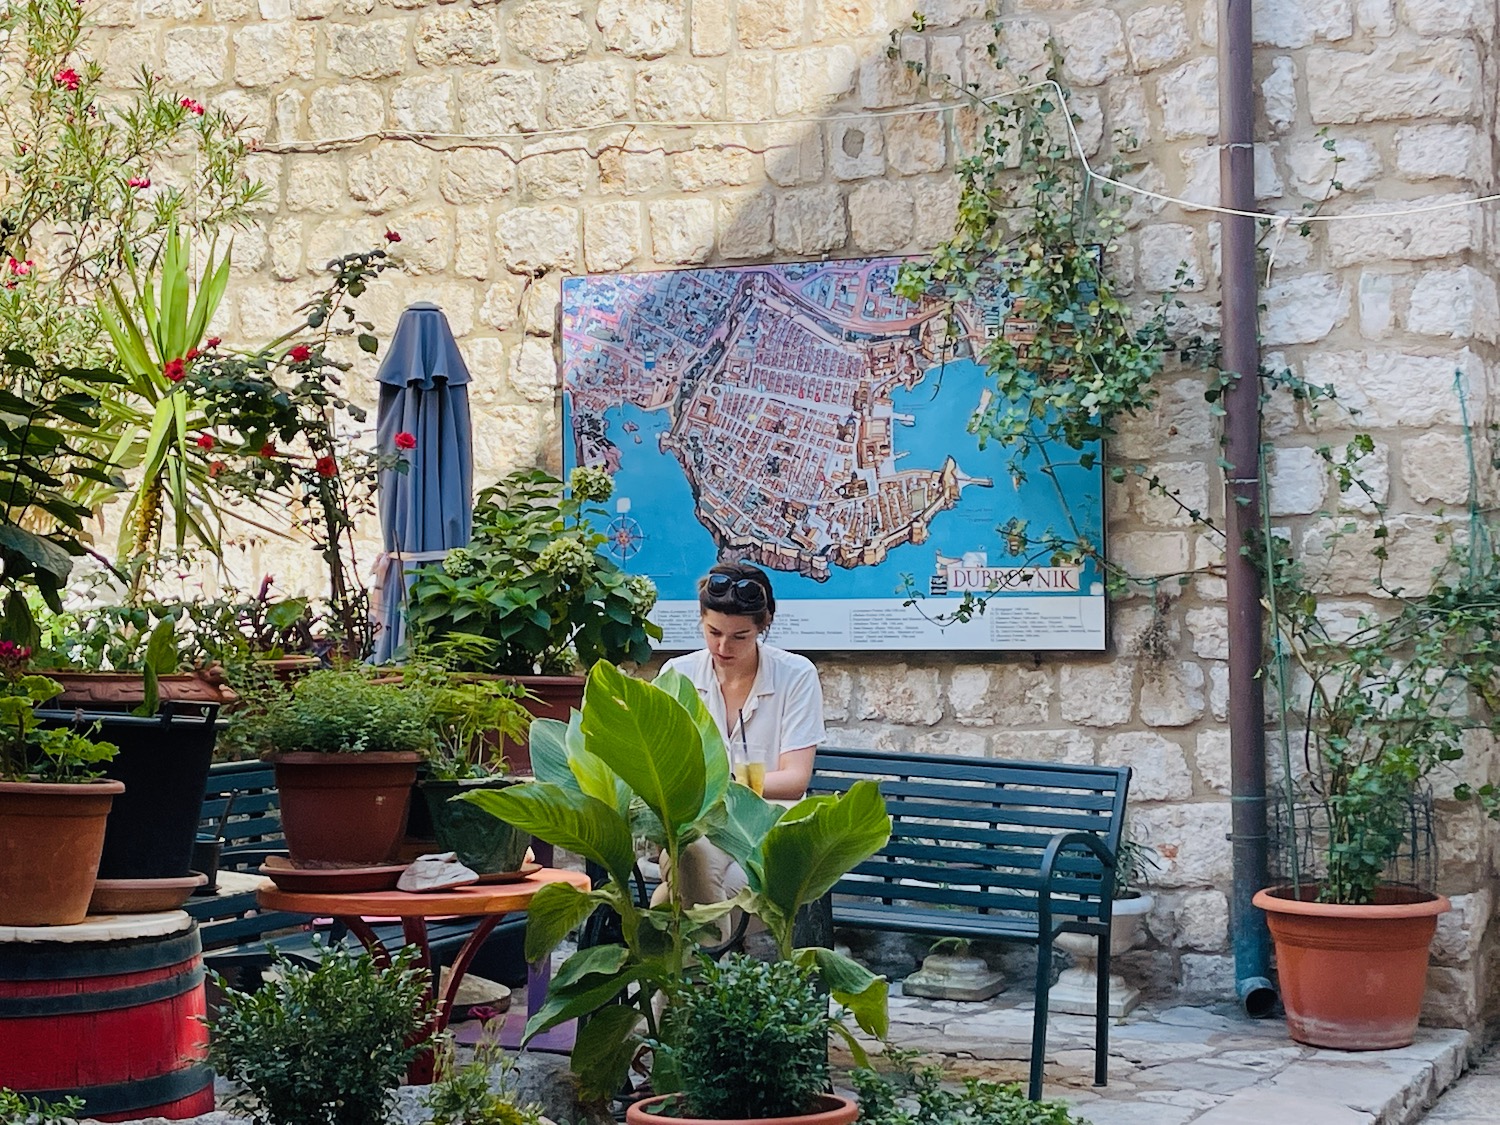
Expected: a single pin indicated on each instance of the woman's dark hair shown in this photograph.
(740, 590)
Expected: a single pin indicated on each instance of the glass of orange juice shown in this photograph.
(750, 761)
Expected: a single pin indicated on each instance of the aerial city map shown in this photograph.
(802, 417)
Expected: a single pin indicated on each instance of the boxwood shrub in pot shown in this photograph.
(749, 1042)
(345, 748)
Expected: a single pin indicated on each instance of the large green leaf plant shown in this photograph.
(646, 761)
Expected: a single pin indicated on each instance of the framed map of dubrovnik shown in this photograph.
(802, 417)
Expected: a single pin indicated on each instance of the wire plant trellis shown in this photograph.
(1299, 841)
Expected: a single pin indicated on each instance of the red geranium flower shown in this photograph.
(268, 450)
(327, 467)
(192, 354)
(300, 354)
(174, 369)
(212, 342)
(405, 440)
(139, 181)
(215, 468)
(68, 79)
(205, 441)
(392, 236)
(191, 106)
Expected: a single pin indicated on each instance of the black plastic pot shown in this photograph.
(163, 761)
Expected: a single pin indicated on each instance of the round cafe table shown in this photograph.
(488, 903)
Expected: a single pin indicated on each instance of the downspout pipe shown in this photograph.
(1242, 504)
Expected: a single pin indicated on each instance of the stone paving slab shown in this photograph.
(1175, 1065)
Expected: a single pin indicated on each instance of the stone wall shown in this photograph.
(512, 143)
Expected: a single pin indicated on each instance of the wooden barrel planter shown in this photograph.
(108, 1011)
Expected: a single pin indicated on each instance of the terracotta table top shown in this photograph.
(497, 898)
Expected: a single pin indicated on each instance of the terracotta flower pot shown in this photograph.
(50, 840)
(832, 1110)
(343, 808)
(123, 691)
(555, 698)
(1352, 977)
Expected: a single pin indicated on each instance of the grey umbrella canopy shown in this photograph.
(428, 509)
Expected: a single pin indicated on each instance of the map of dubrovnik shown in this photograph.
(797, 414)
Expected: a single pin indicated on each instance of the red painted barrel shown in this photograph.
(109, 1011)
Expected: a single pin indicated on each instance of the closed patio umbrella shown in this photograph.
(427, 510)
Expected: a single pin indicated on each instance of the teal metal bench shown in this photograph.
(1014, 851)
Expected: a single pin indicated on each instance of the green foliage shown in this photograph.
(42, 524)
(332, 711)
(470, 717)
(77, 164)
(18, 1109)
(478, 1092)
(1135, 860)
(322, 1045)
(27, 752)
(645, 761)
(535, 591)
(913, 1095)
(750, 1040)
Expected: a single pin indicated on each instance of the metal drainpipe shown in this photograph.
(1241, 356)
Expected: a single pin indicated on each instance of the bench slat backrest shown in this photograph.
(969, 833)
(254, 824)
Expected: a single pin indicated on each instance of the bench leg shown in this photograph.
(1039, 1018)
(1101, 1018)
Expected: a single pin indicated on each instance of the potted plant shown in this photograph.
(646, 761)
(345, 748)
(322, 1045)
(53, 804)
(535, 595)
(749, 1043)
(1077, 989)
(1392, 706)
(480, 1091)
(469, 717)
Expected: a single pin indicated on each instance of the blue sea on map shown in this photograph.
(676, 548)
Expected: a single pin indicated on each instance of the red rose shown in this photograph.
(300, 354)
(68, 79)
(174, 370)
(327, 467)
(195, 108)
(268, 450)
(205, 441)
(215, 468)
(405, 440)
(212, 342)
(392, 236)
(139, 181)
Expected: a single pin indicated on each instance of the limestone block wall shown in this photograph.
(511, 143)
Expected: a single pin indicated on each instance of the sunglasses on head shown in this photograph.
(747, 592)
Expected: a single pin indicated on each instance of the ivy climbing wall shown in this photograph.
(511, 144)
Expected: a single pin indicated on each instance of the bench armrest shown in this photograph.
(1055, 847)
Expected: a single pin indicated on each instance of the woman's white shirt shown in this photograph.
(785, 704)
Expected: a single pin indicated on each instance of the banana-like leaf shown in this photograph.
(597, 976)
(549, 753)
(817, 840)
(715, 756)
(599, 781)
(606, 1045)
(852, 985)
(570, 820)
(739, 826)
(554, 912)
(856, 1048)
(646, 737)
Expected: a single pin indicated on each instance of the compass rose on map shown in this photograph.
(624, 535)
